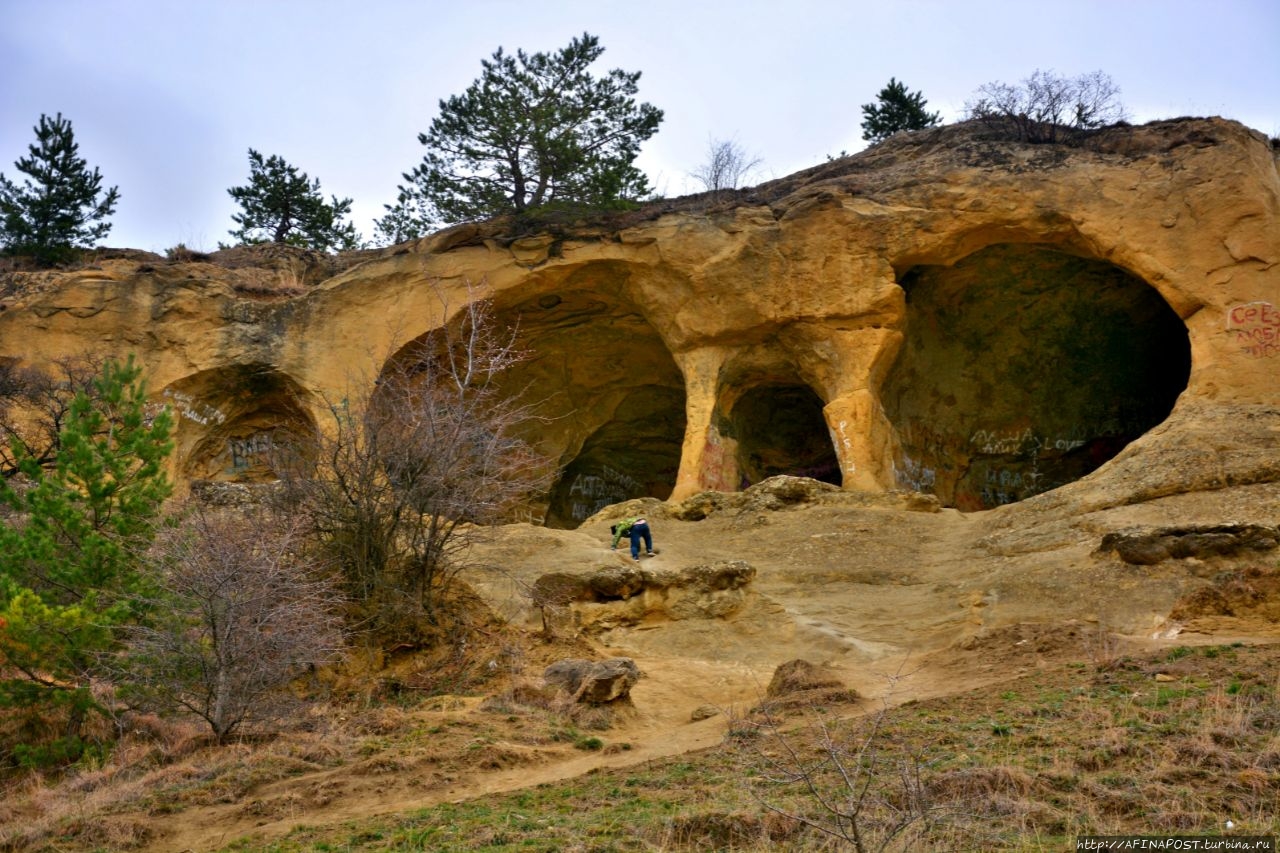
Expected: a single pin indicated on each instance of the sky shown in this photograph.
(167, 96)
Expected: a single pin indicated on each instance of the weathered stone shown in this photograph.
(947, 312)
(1148, 546)
(594, 682)
(616, 582)
(703, 712)
(798, 675)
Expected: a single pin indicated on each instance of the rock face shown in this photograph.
(1150, 546)
(972, 318)
(624, 596)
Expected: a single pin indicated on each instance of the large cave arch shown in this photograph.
(232, 420)
(611, 397)
(1025, 368)
(606, 399)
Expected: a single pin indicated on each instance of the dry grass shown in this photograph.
(1100, 746)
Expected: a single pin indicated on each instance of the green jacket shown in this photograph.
(622, 528)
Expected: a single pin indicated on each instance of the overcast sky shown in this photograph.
(167, 96)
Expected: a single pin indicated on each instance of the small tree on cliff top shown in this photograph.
(281, 205)
(534, 130)
(61, 207)
(896, 109)
(726, 167)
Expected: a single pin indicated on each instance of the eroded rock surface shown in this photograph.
(978, 320)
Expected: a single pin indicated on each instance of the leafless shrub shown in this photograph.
(398, 486)
(847, 788)
(242, 615)
(1049, 108)
(34, 405)
(727, 166)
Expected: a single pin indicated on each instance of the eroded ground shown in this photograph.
(901, 605)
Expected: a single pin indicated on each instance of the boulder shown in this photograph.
(594, 682)
(798, 675)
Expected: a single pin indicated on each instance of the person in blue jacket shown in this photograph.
(638, 528)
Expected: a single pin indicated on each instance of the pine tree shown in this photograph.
(535, 130)
(897, 110)
(408, 219)
(60, 207)
(70, 567)
(281, 205)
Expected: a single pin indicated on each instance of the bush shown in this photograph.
(1048, 108)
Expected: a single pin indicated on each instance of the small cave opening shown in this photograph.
(635, 454)
(235, 421)
(1025, 368)
(780, 429)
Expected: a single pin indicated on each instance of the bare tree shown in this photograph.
(34, 405)
(242, 614)
(727, 165)
(1049, 108)
(399, 485)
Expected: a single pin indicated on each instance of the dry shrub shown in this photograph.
(1255, 780)
(1201, 751)
(523, 695)
(112, 832)
(717, 831)
(385, 720)
(980, 783)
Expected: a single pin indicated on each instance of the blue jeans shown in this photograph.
(638, 531)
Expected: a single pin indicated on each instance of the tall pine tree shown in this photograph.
(896, 109)
(535, 130)
(61, 206)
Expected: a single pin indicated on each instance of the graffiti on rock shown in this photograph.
(914, 475)
(194, 410)
(591, 492)
(1256, 327)
(247, 452)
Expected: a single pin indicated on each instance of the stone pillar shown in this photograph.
(863, 439)
(706, 457)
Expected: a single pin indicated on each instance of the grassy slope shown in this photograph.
(1106, 746)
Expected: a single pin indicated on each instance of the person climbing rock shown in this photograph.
(637, 528)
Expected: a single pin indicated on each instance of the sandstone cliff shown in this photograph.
(978, 319)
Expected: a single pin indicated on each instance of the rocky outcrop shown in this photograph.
(1147, 547)
(593, 682)
(976, 319)
(799, 684)
(624, 596)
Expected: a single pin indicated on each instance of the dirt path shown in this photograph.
(659, 727)
(902, 605)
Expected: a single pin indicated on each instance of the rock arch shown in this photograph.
(608, 396)
(1024, 368)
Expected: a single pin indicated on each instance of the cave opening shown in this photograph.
(780, 429)
(608, 396)
(636, 453)
(1025, 368)
(234, 422)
